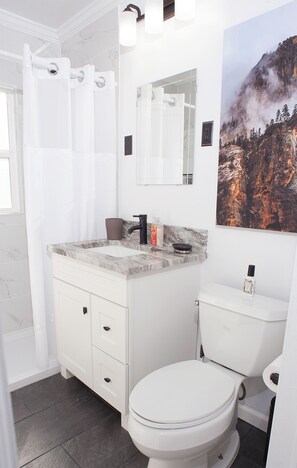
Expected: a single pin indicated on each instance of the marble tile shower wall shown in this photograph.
(15, 299)
(96, 44)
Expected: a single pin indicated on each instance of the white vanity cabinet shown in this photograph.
(92, 327)
(112, 330)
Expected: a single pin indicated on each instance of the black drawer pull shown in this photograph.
(107, 379)
(85, 310)
(106, 328)
(274, 377)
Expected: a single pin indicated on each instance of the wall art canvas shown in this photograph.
(257, 174)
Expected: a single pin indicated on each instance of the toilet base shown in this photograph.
(222, 456)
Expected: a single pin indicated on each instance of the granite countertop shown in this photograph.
(151, 259)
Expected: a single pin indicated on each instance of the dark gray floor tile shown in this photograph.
(252, 446)
(137, 461)
(20, 410)
(48, 392)
(67, 413)
(243, 427)
(243, 462)
(107, 445)
(56, 458)
(49, 428)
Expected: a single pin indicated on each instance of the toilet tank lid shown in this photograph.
(257, 306)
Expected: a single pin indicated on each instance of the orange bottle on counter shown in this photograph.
(154, 235)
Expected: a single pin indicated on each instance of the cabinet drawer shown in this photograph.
(111, 286)
(110, 328)
(110, 379)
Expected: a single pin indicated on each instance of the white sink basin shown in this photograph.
(116, 250)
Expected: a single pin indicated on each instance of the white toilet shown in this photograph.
(184, 415)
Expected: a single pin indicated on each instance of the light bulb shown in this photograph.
(185, 9)
(128, 30)
(154, 16)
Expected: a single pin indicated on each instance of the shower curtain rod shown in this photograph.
(51, 67)
(10, 55)
(171, 100)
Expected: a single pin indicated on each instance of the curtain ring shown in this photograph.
(53, 69)
(81, 76)
(101, 82)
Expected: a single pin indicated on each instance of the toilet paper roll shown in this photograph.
(272, 368)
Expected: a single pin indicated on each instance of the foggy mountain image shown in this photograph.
(257, 181)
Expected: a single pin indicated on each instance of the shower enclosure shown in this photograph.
(66, 153)
(15, 296)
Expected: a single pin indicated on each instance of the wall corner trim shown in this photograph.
(27, 26)
(85, 17)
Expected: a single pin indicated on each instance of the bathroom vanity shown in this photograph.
(120, 314)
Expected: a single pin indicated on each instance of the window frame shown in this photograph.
(11, 154)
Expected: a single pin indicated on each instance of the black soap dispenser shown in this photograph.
(249, 282)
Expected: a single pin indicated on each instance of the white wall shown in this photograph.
(283, 442)
(199, 45)
(183, 47)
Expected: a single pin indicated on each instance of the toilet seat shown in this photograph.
(182, 395)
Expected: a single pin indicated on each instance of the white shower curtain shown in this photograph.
(69, 171)
(160, 136)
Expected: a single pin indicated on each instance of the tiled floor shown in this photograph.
(62, 424)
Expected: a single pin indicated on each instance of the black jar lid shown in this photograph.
(182, 248)
(251, 270)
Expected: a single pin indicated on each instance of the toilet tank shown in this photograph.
(244, 333)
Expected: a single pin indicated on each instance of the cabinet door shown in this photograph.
(73, 327)
(110, 328)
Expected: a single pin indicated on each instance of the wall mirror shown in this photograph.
(166, 130)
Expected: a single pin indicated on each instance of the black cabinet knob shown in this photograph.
(85, 310)
(274, 377)
(106, 328)
(107, 379)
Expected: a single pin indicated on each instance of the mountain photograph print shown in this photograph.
(257, 174)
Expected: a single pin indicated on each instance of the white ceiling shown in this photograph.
(51, 13)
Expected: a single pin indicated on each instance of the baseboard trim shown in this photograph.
(253, 417)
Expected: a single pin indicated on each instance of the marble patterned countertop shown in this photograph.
(151, 258)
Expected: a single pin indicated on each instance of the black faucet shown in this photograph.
(142, 226)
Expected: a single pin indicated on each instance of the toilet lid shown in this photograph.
(182, 394)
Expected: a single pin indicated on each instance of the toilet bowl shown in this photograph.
(182, 414)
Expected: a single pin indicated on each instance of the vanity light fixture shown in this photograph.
(185, 10)
(154, 16)
(156, 11)
(128, 21)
